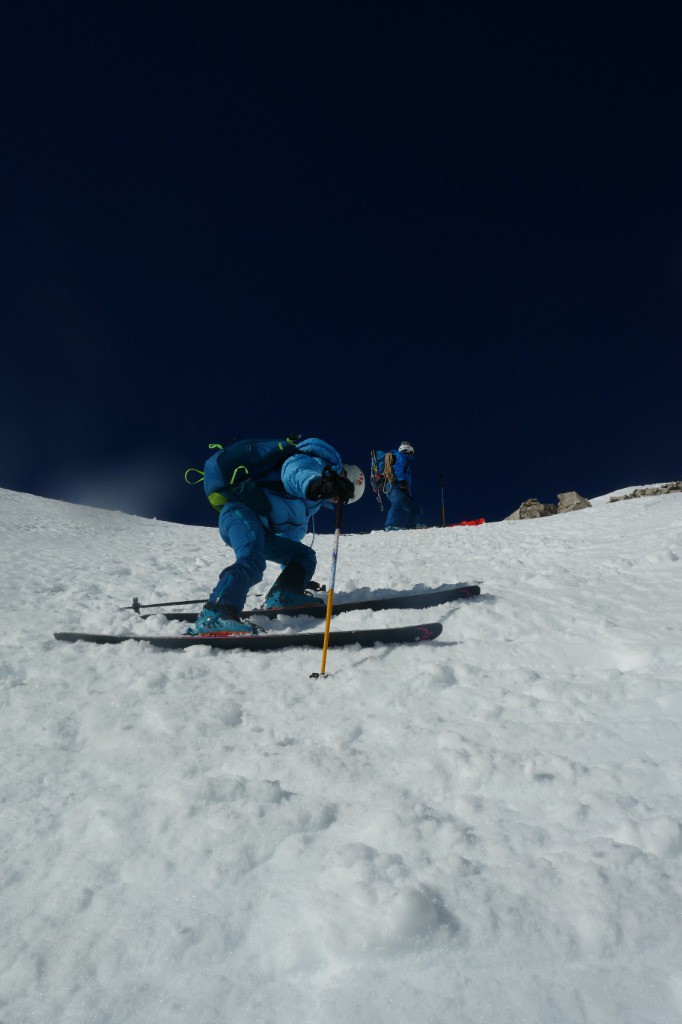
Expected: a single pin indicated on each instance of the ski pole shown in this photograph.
(330, 591)
(135, 606)
(442, 497)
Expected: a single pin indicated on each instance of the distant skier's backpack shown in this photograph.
(382, 474)
(235, 472)
(382, 467)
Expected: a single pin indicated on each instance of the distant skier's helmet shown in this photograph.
(357, 478)
(405, 446)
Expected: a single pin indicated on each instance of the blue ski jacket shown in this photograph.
(291, 511)
(402, 468)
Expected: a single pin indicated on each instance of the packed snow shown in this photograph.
(485, 829)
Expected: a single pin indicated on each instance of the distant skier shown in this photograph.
(397, 486)
(264, 517)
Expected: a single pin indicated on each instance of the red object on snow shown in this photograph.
(469, 522)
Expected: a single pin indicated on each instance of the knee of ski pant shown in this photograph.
(247, 567)
(308, 559)
(253, 567)
(242, 530)
(305, 557)
(286, 551)
(306, 564)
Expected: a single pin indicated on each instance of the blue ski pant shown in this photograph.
(242, 530)
(403, 511)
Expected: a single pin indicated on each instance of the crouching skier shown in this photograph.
(265, 506)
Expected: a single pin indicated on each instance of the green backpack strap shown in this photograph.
(199, 472)
(241, 480)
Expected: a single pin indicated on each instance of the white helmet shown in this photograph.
(405, 446)
(357, 478)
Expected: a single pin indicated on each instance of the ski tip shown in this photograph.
(429, 632)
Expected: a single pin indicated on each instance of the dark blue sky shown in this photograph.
(369, 223)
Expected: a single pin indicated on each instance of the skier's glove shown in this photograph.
(330, 487)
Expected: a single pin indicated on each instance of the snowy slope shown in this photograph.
(483, 829)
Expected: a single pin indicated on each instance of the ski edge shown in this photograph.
(426, 599)
(423, 632)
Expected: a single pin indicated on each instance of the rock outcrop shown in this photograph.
(533, 509)
(648, 492)
(568, 501)
(571, 501)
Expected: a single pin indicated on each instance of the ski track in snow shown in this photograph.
(487, 828)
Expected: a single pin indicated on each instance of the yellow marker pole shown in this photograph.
(330, 591)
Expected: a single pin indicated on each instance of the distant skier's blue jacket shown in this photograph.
(402, 468)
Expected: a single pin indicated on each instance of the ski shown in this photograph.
(375, 604)
(272, 641)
